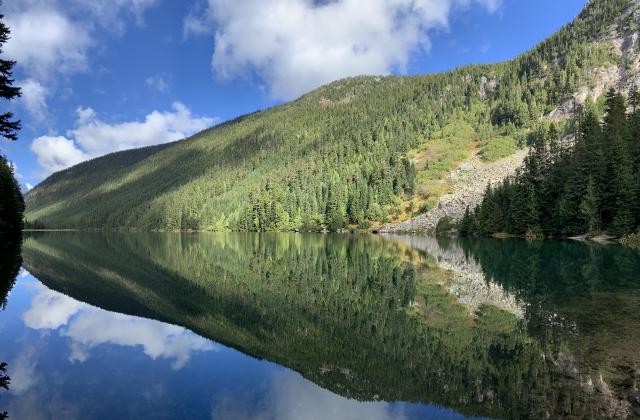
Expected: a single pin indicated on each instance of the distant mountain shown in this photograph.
(357, 151)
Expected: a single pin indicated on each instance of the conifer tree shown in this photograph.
(11, 201)
(589, 207)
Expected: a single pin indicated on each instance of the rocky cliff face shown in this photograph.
(623, 39)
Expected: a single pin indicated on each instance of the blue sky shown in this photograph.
(103, 76)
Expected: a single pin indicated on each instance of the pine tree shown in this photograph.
(465, 227)
(616, 135)
(589, 207)
(11, 201)
(624, 217)
(8, 126)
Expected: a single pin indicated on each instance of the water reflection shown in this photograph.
(88, 327)
(290, 397)
(4, 384)
(486, 328)
(10, 262)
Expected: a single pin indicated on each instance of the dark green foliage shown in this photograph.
(444, 225)
(10, 263)
(8, 126)
(335, 157)
(572, 187)
(467, 224)
(586, 294)
(11, 202)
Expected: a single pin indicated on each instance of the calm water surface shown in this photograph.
(287, 326)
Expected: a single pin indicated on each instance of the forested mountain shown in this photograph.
(360, 150)
(569, 188)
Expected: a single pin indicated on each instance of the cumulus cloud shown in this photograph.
(56, 153)
(97, 137)
(44, 41)
(93, 137)
(34, 98)
(52, 39)
(297, 45)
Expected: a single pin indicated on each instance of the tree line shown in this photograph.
(571, 185)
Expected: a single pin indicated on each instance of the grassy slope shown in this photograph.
(302, 160)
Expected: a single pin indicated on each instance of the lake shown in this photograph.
(311, 326)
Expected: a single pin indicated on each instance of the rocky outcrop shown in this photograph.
(623, 40)
(469, 184)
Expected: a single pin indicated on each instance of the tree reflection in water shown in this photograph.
(10, 263)
(363, 317)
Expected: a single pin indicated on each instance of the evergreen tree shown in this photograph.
(465, 227)
(8, 126)
(589, 207)
(564, 189)
(11, 201)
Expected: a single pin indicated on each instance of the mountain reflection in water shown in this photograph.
(485, 327)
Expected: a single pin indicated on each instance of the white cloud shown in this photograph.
(56, 153)
(52, 39)
(50, 310)
(34, 98)
(158, 83)
(94, 327)
(85, 115)
(23, 370)
(97, 137)
(196, 22)
(44, 41)
(297, 45)
(89, 327)
(93, 137)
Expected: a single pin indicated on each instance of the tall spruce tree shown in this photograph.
(589, 207)
(11, 201)
(566, 188)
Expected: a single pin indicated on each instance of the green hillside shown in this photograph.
(360, 150)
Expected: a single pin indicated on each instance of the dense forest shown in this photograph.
(361, 316)
(588, 183)
(357, 151)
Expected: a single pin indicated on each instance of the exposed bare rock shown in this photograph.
(624, 42)
(469, 184)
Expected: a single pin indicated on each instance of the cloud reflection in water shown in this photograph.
(88, 327)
